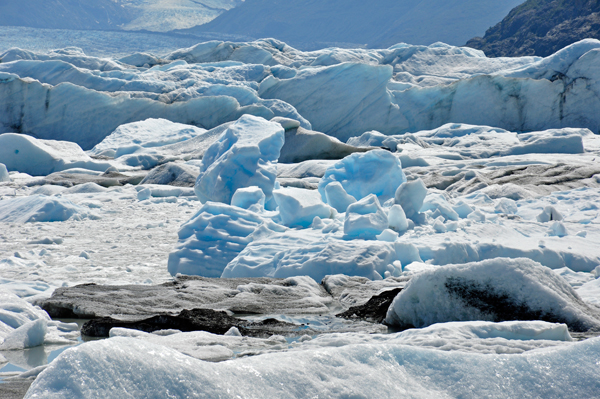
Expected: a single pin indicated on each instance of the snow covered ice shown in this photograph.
(491, 290)
(451, 195)
(382, 370)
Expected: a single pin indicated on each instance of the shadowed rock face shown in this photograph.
(216, 322)
(541, 27)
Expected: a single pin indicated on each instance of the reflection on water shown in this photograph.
(24, 360)
(20, 361)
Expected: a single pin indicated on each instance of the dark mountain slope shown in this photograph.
(63, 14)
(377, 23)
(541, 27)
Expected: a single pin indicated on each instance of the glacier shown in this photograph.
(397, 90)
(383, 211)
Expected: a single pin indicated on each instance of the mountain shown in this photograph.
(151, 15)
(63, 14)
(541, 27)
(166, 15)
(378, 23)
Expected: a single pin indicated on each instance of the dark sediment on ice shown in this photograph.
(216, 322)
(14, 389)
(216, 301)
(374, 310)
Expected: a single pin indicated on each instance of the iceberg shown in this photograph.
(28, 335)
(245, 155)
(299, 207)
(365, 219)
(4, 176)
(302, 145)
(41, 208)
(149, 133)
(24, 326)
(246, 197)
(215, 236)
(26, 154)
(337, 197)
(174, 174)
(304, 252)
(397, 219)
(376, 172)
(495, 290)
(410, 196)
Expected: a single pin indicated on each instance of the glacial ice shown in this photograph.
(479, 99)
(246, 197)
(298, 207)
(174, 174)
(71, 55)
(40, 208)
(213, 237)
(590, 292)
(245, 155)
(510, 337)
(410, 196)
(69, 101)
(475, 141)
(28, 335)
(402, 77)
(476, 337)
(149, 133)
(25, 326)
(383, 370)
(376, 172)
(4, 176)
(549, 214)
(337, 197)
(397, 219)
(37, 157)
(302, 144)
(365, 218)
(488, 166)
(439, 206)
(304, 253)
(495, 290)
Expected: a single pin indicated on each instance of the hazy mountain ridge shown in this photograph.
(64, 14)
(382, 23)
(541, 27)
(151, 15)
(166, 15)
